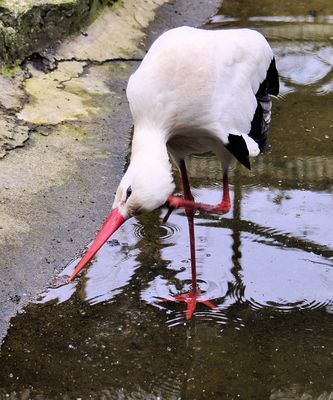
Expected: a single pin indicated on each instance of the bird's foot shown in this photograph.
(221, 208)
(178, 202)
(191, 299)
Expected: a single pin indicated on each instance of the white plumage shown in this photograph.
(194, 81)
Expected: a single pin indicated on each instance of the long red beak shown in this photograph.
(112, 223)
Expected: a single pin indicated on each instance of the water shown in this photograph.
(267, 266)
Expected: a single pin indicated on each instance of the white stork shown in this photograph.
(195, 91)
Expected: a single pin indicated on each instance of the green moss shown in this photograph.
(11, 71)
(76, 131)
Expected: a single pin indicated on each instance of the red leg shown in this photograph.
(225, 205)
(195, 295)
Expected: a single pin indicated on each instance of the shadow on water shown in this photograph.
(267, 266)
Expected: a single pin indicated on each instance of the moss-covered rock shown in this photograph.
(28, 26)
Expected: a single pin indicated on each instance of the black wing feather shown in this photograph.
(262, 116)
(237, 147)
(273, 79)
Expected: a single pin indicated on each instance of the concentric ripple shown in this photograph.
(164, 232)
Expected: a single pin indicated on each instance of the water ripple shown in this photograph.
(237, 293)
(218, 316)
(286, 307)
(165, 232)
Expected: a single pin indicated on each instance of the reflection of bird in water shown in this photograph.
(195, 91)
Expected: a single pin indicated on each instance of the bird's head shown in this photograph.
(144, 187)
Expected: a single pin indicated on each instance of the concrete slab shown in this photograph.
(117, 33)
(52, 99)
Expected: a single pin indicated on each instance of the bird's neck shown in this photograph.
(149, 143)
(150, 157)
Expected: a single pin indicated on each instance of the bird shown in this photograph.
(195, 91)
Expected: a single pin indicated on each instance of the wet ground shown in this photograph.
(267, 266)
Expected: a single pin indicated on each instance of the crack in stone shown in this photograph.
(106, 61)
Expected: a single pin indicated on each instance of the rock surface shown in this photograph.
(28, 26)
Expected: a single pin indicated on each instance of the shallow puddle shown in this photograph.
(267, 266)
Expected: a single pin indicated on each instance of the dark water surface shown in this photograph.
(268, 266)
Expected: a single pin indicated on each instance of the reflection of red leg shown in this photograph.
(190, 218)
(191, 299)
(190, 204)
(194, 296)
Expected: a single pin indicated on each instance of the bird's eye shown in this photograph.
(128, 192)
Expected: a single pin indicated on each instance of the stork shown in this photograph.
(196, 91)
